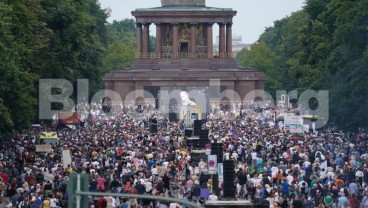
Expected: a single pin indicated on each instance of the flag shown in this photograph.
(324, 166)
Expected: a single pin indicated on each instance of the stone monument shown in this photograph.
(183, 57)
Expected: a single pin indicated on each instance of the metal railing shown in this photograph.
(80, 183)
(150, 197)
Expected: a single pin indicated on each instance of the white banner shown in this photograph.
(212, 164)
(294, 124)
(67, 158)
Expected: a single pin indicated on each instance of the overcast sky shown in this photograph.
(250, 22)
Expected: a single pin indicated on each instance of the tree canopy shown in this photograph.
(63, 39)
(322, 47)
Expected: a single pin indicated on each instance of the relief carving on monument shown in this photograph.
(167, 34)
(184, 32)
(201, 34)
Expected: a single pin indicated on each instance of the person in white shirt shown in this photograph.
(175, 205)
(289, 178)
(165, 164)
(227, 156)
(53, 202)
(148, 185)
(201, 165)
(213, 197)
(257, 180)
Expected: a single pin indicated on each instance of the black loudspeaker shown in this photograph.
(229, 177)
(188, 132)
(204, 133)
(203, 179)
(173, 117)
(203, 137)
(194, 142)
(197, 127)
(215, 183)
(153, 125)
(203, 121)
(217, 149)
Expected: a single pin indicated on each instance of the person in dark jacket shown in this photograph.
(196, 191)
(141, 189)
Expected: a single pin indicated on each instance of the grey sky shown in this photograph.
(250, 22)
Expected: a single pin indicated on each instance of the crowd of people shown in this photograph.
(273, 168)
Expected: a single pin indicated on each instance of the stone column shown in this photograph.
(193, 41)
(158, 41)
(222, 44)
(146, 40)
(139, 40)
(175, 40)
(229, 41)
(209, 41)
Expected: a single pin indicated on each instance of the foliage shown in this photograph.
(262, 58)
(22, 37)
(323, 47)
(122, 41)
(119, 56)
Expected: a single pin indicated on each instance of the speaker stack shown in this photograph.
(229, 176)
(203, 137)
(197, 127)
(153, 125)
(217, 149)
(188, 132)
(173, 117)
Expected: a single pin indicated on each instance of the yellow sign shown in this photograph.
(198, 109)
(48, 135)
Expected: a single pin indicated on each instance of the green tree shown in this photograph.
(78, 43)
(22, 36)
(121, 48)
(261, 58)
(119, 56)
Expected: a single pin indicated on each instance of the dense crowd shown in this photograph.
(274, 168)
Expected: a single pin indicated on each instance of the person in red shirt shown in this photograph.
(101, 184)
(101, 203)
(5, 177)
(352, 200)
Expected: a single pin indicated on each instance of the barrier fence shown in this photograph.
(78, 193)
